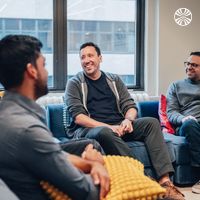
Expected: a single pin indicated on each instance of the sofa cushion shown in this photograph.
(181, 148)
(67, 118)
(55, 120)
(164, 121)
(148, 109)
(127, 181)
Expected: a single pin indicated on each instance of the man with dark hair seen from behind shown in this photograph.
(28, 152)
(102, 109)
(183, 110)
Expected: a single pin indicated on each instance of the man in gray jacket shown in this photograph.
(183, 109)
(102, 109)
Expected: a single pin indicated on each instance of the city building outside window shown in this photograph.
(64, 25)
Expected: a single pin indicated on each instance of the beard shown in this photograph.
(192, 75)
(41, 88)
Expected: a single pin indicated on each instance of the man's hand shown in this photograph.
(92, 154)
(127, 126)
(98, 171)
(117, 129)
(100, 177)
(188, 117)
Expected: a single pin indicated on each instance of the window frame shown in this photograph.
(140, 42)
(60, 46)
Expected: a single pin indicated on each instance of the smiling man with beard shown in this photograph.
(183, 110)
(102, 109)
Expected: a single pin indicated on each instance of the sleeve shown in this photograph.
(126, 101)
(46, 161)
(73, 98)
(173, 106)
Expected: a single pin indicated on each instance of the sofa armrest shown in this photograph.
(54, 117)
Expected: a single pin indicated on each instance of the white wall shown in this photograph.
(168, 44)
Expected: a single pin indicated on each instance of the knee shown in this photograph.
(189, 126)
(152, 121)
(105, 134)
(96, 145)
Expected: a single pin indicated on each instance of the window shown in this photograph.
(112, 25)
(1, 28)
(112, 37)
(64, 25)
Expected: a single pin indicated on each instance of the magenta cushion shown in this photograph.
(164, 121)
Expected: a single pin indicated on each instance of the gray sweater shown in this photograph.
(183, 99)
(76, 96)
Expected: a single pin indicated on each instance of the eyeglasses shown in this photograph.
(194, 65)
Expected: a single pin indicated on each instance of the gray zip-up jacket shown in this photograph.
(76, 96)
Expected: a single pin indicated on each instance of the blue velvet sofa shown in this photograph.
(58, 119)
(184, 175)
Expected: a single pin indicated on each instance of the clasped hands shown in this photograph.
(126, 126)
(98, 172)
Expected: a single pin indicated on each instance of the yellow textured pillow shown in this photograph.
(53, 192)
(128, 181)
(1, 94)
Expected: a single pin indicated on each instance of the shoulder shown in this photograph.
(78, 77)
(178, 83)
(111, 76)
(76, 80)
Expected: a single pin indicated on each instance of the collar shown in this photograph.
(192, 81)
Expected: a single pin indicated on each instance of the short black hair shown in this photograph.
(16, 51)
(195, 53)
(91, 44)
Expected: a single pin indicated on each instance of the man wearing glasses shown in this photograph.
(183, 109)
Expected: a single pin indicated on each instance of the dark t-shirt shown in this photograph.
(101, 102)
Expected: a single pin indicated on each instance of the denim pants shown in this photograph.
(191, 130)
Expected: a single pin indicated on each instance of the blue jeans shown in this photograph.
(191, 130)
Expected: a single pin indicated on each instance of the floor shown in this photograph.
(189, 195)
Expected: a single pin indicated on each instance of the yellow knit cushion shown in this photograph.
(53, 192)
(1, 94)
(128, 181)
